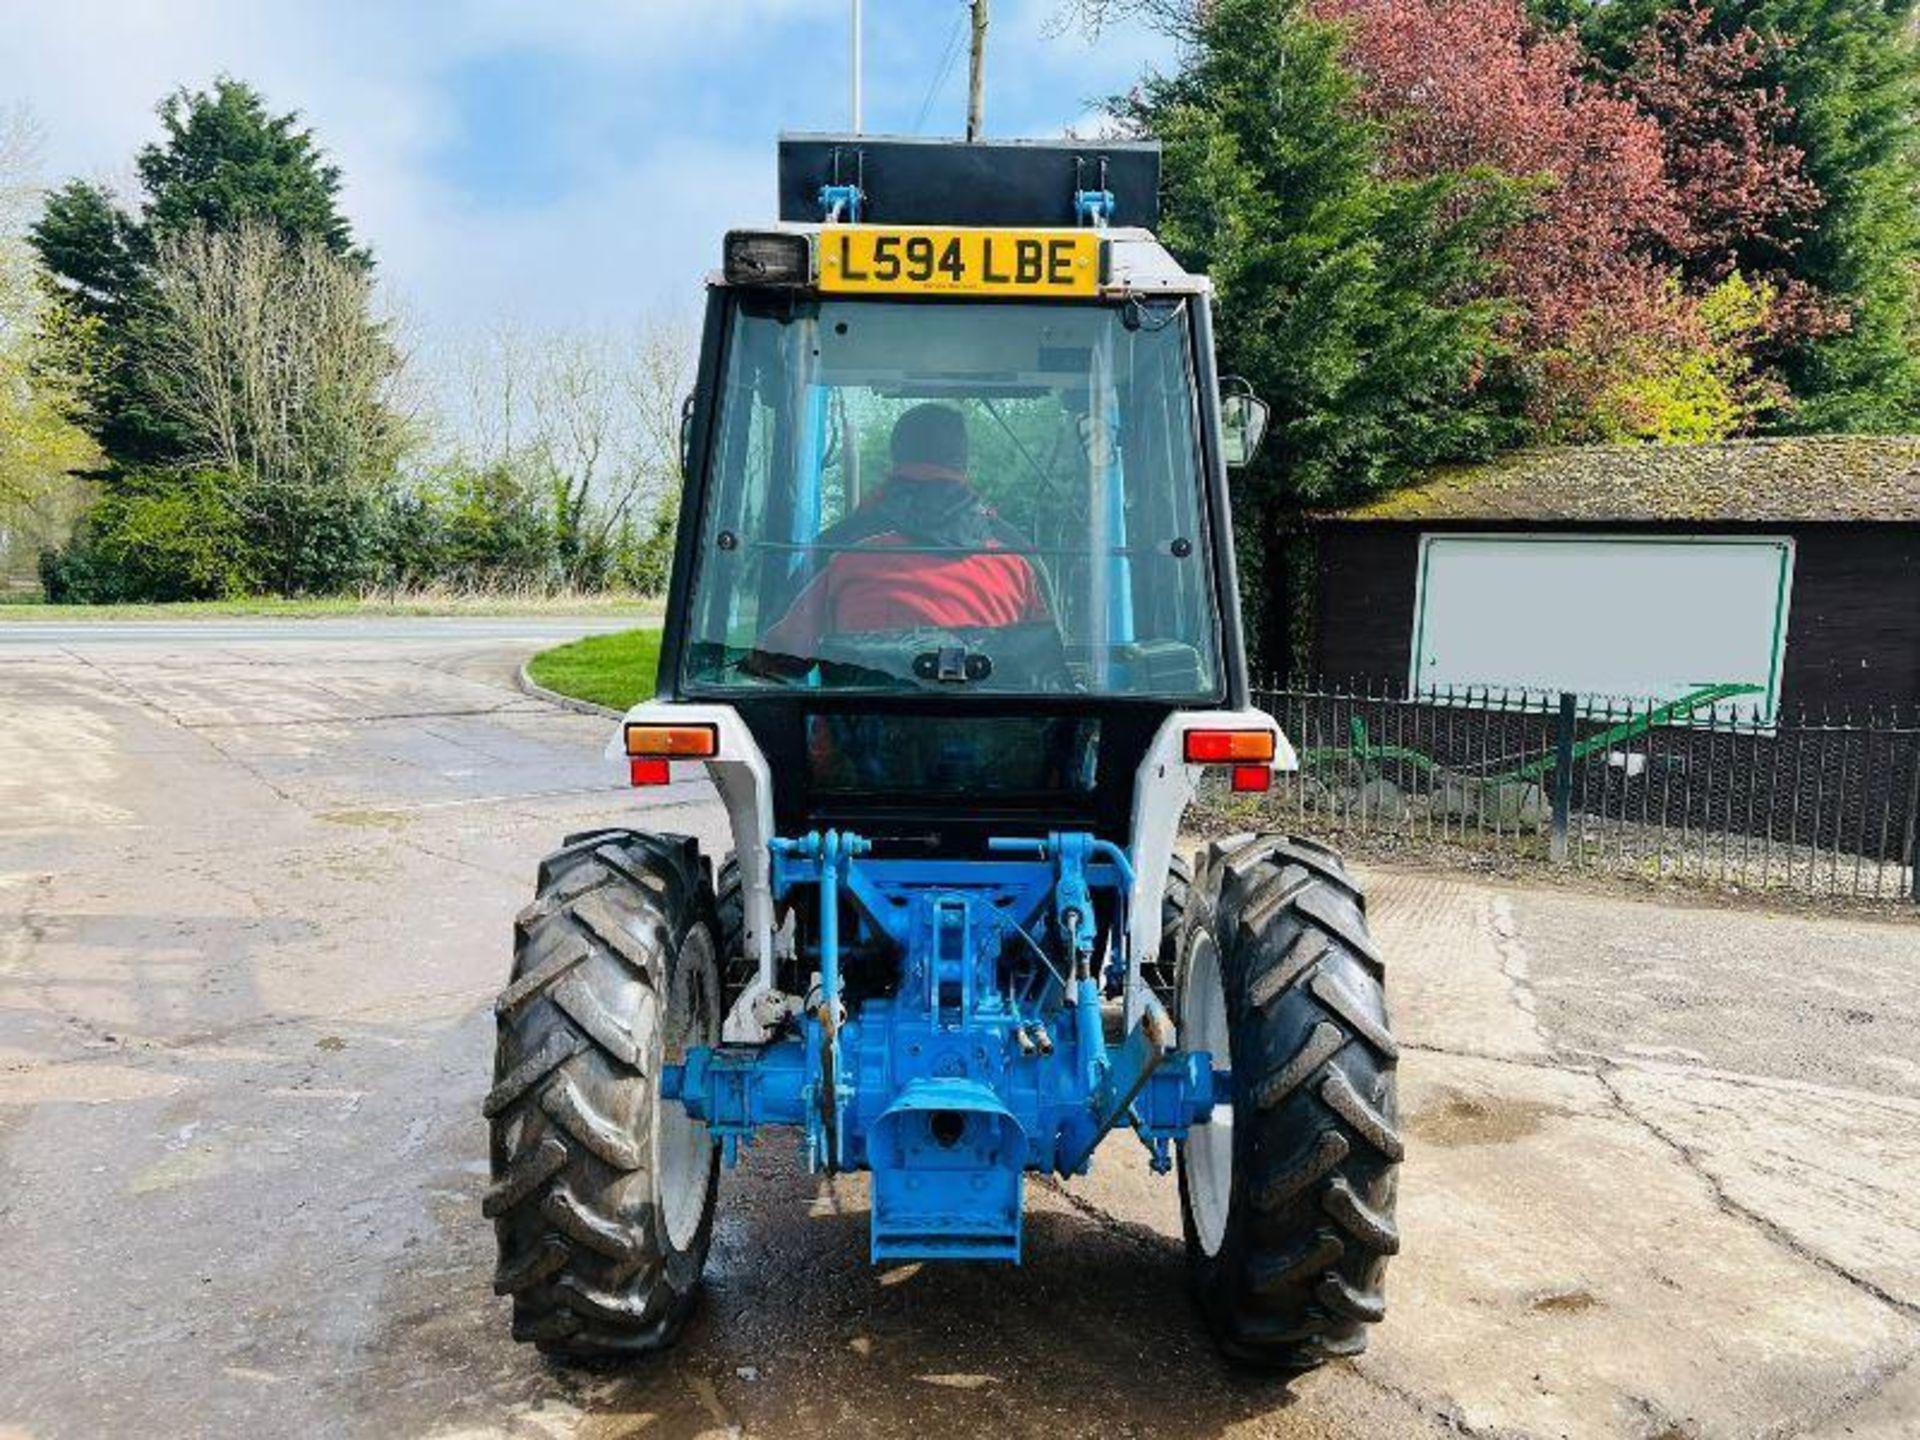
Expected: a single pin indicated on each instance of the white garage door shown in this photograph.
(1609, 618)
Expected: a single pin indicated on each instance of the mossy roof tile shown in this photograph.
(1795, 478)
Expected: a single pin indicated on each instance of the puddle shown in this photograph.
(1457, 1119)
(368, 819)
(1572, 1300)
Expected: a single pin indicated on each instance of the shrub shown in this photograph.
(161, 535)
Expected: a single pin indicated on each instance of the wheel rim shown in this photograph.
(1209, 1147)
(682, 1150)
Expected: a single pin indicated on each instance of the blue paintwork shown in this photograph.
(1094, 207)
(842, 203)
(986, 1061)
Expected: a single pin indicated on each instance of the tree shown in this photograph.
(225, 160)
(1741, 187)
(1346, 293)
(1459, 83)
(263, 353)
(45, 347)
(1848, 71)
(1656, 189)
(91, 247)
(592, 419)
(1683, 371)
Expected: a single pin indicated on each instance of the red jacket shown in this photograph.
(874, 587)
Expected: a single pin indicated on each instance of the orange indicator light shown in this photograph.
(1225, 747)
(678, 742)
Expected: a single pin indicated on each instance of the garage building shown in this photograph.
(1786, 570)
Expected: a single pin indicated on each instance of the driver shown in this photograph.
(879, 574)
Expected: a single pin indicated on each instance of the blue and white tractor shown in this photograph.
(953, 628)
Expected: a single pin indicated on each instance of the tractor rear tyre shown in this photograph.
(602, 1197)
(1288, 1205)
(737, 968)
(1160, 970)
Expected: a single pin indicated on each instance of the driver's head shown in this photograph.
(930, 443)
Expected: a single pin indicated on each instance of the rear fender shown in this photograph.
(1163, 787)
(739, 772)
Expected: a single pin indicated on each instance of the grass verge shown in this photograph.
(616, 669)
(33, 610)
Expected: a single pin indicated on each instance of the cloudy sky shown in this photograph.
(558, 162)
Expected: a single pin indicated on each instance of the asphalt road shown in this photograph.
(256, 881)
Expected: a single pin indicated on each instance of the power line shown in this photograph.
(946, 68)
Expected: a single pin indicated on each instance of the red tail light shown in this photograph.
(1227, 747)
(644, 770)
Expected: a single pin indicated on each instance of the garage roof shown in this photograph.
(1799, 478)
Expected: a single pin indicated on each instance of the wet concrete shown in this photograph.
(254, 900)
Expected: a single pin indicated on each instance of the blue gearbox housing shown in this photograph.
(987, 1057)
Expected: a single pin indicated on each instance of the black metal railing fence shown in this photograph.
(1704, 789)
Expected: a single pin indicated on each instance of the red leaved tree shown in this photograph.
(1740, 183)
(1460, 83)
(1677, 172)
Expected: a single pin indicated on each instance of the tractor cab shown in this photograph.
(956, 506)
(953, 628)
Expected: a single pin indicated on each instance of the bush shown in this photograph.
(310, 540)
(471, 530)
(159, 535)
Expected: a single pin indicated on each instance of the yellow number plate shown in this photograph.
(861, 260)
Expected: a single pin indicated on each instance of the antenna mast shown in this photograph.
(855, 66)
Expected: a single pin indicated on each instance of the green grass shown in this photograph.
(29, 608)
(616, 669)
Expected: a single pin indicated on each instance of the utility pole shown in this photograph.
(855, 61)
(977, 70)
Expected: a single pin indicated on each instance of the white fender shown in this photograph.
(745, 784)
(1163, 787)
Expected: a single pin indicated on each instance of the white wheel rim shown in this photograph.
(1209, 1147)
(682, 1150)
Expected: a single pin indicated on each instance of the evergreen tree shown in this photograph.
(225, 160)
(91, 246)
(240, 386)
(1340, 288)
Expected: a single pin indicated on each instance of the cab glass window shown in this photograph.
(970, 499)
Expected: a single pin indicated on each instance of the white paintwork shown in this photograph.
(1207, 1153)
(1640, 618)
(745, 784)
(1163, 787)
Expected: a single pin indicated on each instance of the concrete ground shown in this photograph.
(255, 892)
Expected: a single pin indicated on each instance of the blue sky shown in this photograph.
(554, 162)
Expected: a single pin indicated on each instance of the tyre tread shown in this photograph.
(1300, 1275)
(582, 1251)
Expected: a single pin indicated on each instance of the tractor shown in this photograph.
(953, 629)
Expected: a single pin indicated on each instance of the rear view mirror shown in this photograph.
(686, 437)
(1243, 421)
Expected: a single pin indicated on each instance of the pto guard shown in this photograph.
(948, 1160)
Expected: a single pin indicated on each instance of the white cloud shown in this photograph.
(658, 157)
